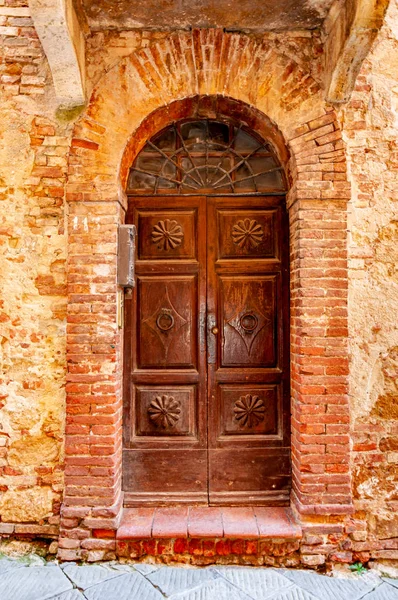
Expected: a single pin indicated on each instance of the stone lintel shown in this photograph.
(350, 28)
(63, 42)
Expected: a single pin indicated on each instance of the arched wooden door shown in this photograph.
(206, 416)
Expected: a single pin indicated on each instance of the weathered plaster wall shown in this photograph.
(34, 152)
(370, 130)
(33, 158)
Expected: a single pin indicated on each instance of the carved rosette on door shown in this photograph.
(247, 233)
(249, 410)
(164, 411)
(167, 234)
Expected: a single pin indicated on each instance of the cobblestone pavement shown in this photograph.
(35, 580)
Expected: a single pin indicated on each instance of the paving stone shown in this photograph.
(145, 568)
(173, 580)
(71, 595)
(216, 589)
(89, 575)
(7, 564)
(329, 588)
(393, 582)
(383, 592)
(33, 583)
(129, 586)
(294, 593)
(258, 583)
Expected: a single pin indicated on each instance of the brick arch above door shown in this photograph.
(254, 71)
(106, 140)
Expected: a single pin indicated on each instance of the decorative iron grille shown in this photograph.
(190, 157)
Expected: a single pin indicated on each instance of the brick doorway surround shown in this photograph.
(312, 154)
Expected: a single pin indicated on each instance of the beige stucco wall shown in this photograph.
(370, 126)
(32, 257)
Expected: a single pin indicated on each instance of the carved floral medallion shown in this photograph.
(247, 233)
(167, 235)
(249, 410)
(164, 411)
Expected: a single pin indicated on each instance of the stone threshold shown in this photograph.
(234, 523)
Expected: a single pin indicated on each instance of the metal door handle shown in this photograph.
(212, 331)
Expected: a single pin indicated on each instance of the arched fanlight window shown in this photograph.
(189, 157)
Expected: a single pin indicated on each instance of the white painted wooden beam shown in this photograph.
(59, 31)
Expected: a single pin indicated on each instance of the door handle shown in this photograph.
(212, 331)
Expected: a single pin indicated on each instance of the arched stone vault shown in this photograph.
(348, 32)
(201, 62)
(212, 73)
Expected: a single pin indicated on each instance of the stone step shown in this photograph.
(208, 521)
(201, 534)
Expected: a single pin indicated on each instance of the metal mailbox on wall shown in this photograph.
(126, 255)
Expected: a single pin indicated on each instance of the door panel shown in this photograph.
(248, 374)
(162, 476)
(166, 234)
(165, 433)
(167, 322)
(244, 235)
(249, 410)
(257, 476)
(249, 321)
(165, 411)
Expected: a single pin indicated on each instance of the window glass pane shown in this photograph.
(194, 135)
(259, 164)
(168, 169)
(242, 172)
(141, 181)
(166, 139)
(152, 164)
(165, 184)
(270, 181)
(245, 142)
(218, 134)
(190, 162)
(245, 186)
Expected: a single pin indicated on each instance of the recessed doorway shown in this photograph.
(206, 399)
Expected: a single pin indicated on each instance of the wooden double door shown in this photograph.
(206, 417)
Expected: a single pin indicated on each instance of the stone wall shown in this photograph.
(33, 159)
(370, 131)
(36, 147)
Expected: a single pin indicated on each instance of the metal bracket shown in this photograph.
(126, 256)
